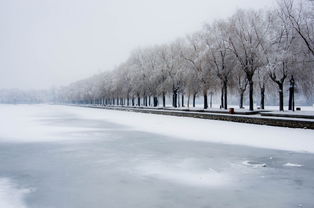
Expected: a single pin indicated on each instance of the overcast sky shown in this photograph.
(46, 43)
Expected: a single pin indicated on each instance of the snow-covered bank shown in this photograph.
(22, 123)
(209, 130)
(10, 195)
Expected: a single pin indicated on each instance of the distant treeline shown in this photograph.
(17, 96)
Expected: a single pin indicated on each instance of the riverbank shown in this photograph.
(260, 117)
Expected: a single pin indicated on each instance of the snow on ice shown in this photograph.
(293, 165)
(10, 195)
(14, 118)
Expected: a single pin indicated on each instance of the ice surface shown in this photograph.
(254, 164)
(184, 173)
(10, 195)
(79, 157)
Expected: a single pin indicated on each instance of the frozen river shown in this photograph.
(70, 157)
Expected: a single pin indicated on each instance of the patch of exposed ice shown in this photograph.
(293, 165)
(10, 195)
(254, 164)
(183, 173)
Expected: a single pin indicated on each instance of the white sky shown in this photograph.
(45, 43)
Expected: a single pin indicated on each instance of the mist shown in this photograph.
(52, 43)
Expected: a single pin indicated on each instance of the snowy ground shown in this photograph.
(58, 156)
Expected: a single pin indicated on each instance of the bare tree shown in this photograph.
(221, 58)
(301, 19)
(279, 52)
(248, 32)
(195, 55)
(242, 82)
(172, 62)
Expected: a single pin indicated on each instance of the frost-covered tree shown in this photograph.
(300, 16)
(280, 52)
(220, 56)
(247, 33)
(195, 54)
(172, 63)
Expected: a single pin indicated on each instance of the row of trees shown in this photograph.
(266, 50)
(17, 96)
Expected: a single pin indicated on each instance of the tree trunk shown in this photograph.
(251, 92)
(182, 100)
(280, 85)
(194, 98)
(189, 100)
(241, 99)
(225, 95)
(263, 97)
(155, 101)
(138, 101)
(149, 101)
(174, 99)
(205, 99)
(163, 99)
(211, 100)
(222, 98)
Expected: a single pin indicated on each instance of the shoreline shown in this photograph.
(249, 118)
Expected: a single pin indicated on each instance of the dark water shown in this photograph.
(117, 167)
